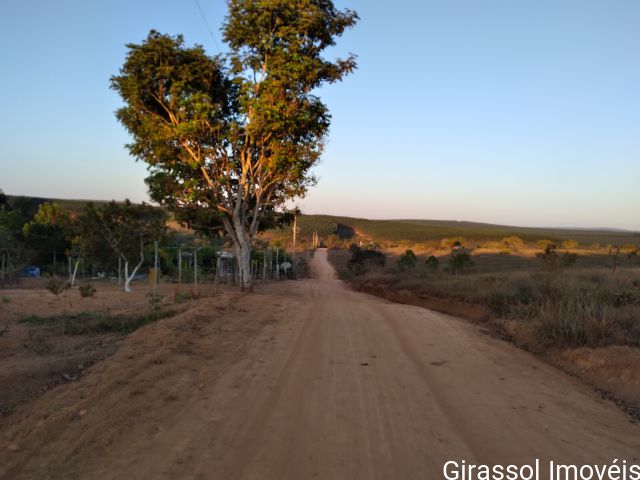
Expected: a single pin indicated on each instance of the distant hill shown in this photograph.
(73, 205)
(416, 231)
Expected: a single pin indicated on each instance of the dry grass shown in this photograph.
(577, 306)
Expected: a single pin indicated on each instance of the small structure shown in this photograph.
(226, 267)
(31, 271)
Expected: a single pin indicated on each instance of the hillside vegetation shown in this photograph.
(401, 232)
(409, 232)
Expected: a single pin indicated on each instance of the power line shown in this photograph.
(204, 19)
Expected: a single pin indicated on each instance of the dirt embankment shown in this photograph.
(132, 394)
(35, 356)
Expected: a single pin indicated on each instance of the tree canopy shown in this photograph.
(229, 140)
(126, 229)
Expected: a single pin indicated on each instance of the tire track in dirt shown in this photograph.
(309, 380)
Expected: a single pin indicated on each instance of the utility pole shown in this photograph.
(4, 262)
(264, 264)
(195, 272)
(216, 276)
(277, 264)
(155, 269)
(295, 230)
(179, 267)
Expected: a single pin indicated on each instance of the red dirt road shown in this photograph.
(310, 380)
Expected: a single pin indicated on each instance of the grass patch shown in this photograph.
(85, 323)
(570, 307)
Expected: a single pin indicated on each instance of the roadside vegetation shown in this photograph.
(555, 298)
(86, 323)
(340, 232)
(76, 244)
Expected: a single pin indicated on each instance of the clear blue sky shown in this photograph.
(523, 112)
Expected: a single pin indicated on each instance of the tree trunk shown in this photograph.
(129, 278)
(72, 274)
(244, 266)
(127, 283)
(243, 244)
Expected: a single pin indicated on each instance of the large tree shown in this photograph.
(234, 137)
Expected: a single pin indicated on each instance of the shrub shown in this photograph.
(86, 290)
(512, 242)
(543, 244)
(552, 261)
(454, 242)
(569, 244)
(459, 262)
(364, 259)
(57, 286)
(432, 262)
(407, 260)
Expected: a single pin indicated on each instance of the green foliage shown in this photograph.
(237, 135)
(175, 98)
(363, 260)
(6, 300)
(50, 230)
(459, 261)
(123, 228)
(407, 260)
(432, 262)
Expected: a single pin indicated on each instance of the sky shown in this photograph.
(518, 112)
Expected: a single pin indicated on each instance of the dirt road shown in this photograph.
(310, 380)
